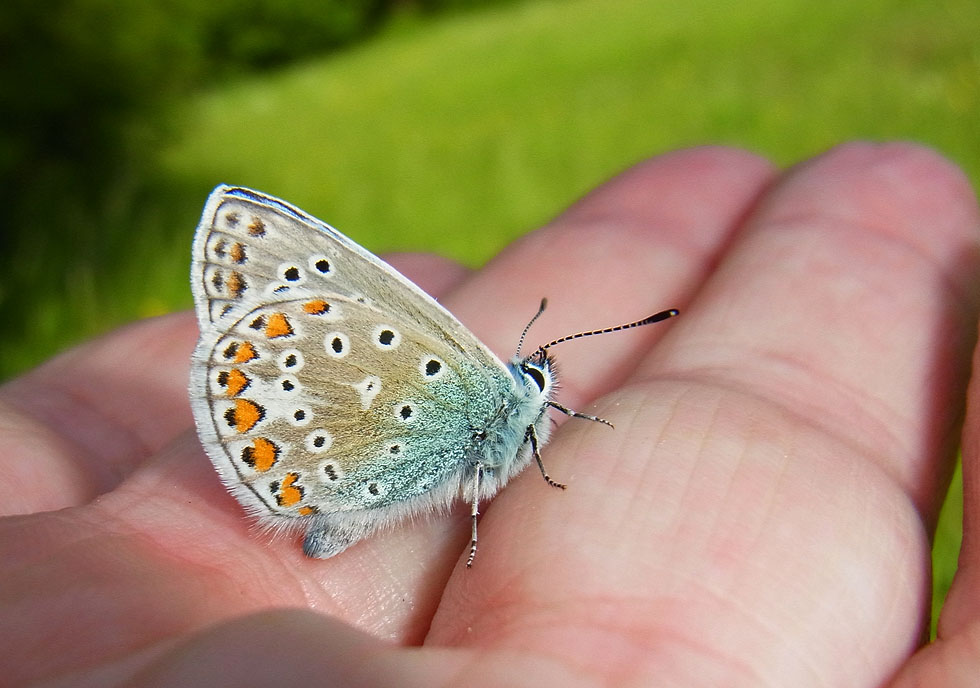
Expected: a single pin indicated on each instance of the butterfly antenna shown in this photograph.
(656, 317)
(520, 342)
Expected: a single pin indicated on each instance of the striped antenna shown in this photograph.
(520, 342)
(656, 317)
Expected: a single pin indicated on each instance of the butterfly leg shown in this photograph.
(532, 437)
(575, 414)
(475, 512)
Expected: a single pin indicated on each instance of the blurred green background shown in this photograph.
(438, 125)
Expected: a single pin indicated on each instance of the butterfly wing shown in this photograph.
(326, 384)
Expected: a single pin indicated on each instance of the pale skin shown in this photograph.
(759, 516)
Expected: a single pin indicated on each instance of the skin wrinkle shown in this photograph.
(771, 630)
(898, 532)
(964, 297)
(55, 387)
(770, 506)
(689, 478)
(393, 600)
(934, 265)
(893, 611)
(730, 468)
(638, 499)
(628, 505)
(862, 402)
(701, 589)
(710, 377)
(673, 247)
(955, 279)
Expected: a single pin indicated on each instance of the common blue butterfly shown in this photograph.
(332, 393)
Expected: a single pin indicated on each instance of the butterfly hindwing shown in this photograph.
(340, 409)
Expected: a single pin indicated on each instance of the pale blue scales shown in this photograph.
(332, 393)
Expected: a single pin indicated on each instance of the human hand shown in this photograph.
(759, 516)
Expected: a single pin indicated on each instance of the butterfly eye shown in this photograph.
(536, 375)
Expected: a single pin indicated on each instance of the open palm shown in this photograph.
(760, 515)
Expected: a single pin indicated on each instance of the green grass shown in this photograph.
(458, 134)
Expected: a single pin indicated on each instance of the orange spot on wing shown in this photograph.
(244, 415)
(234, 382)
(306, 510)
(278, 326)
(245, 353)
(316, 307)
(262, 455)
(289, 493)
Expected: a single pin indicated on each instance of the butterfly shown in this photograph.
(333, 394)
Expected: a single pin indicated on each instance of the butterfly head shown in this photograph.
(537, 374)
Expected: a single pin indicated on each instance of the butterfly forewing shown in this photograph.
(245, 256)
